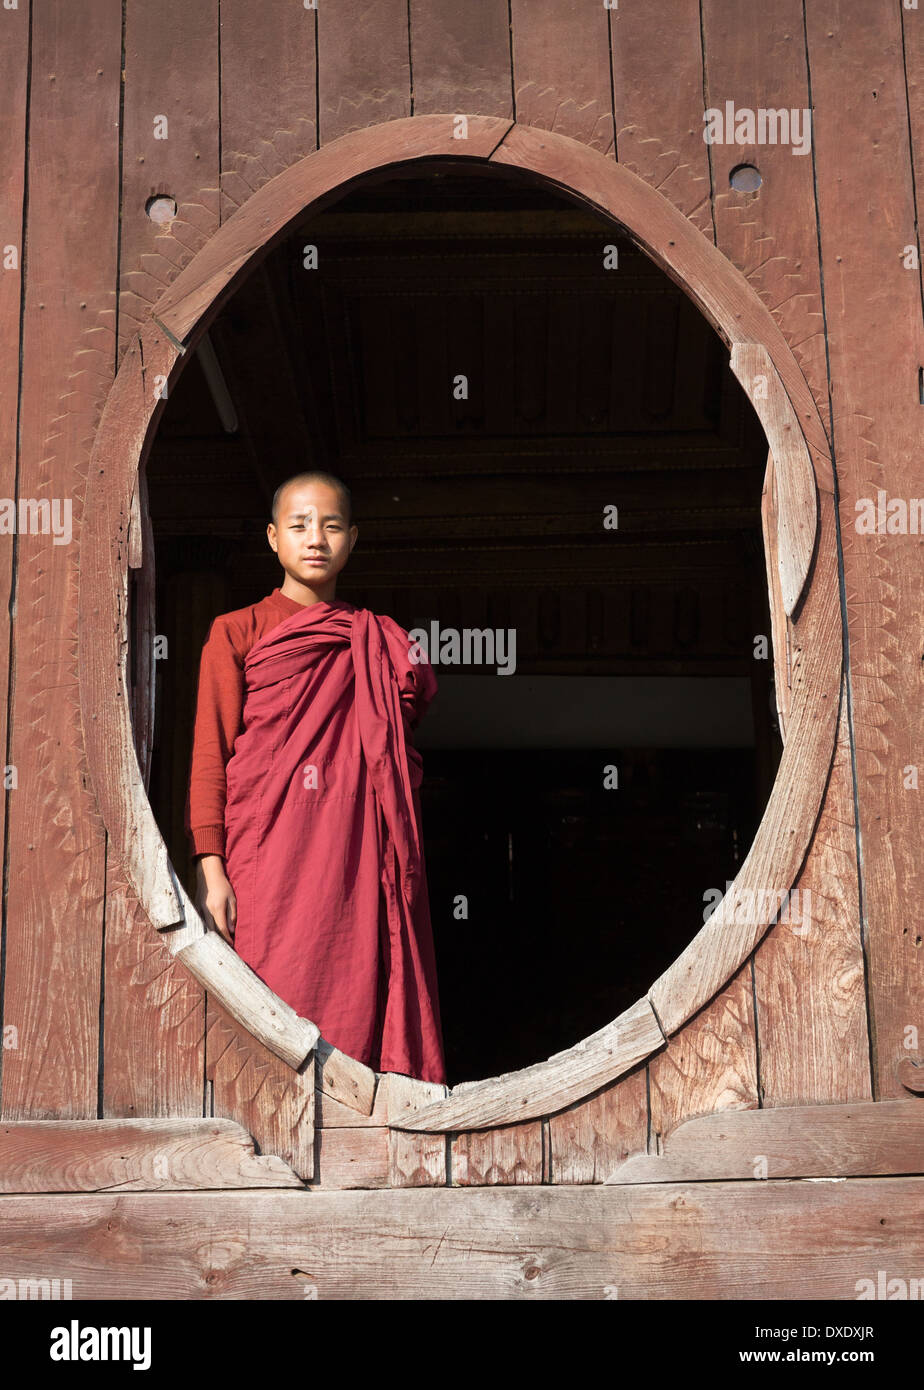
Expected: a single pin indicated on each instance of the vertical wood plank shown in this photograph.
(913, 46)
(57, 844)
(876, 345)
(153, 1018)
(364, 71)
(251, 1085)
(416, 1160)
(770, 234)
(808, 972)
(711, 1064)
(561, 69)
(154, 1015)
(460, 57)
(589, 1141)
(511, 1156)
(14, 26)
(268, 93)
(170, 146)
(659, 124)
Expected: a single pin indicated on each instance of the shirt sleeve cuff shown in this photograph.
(208, 839)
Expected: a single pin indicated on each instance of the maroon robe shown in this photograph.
(323, 843)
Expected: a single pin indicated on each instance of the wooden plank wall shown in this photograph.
(13, 107)
(113, 1027)
(867, 216)
(55, 861)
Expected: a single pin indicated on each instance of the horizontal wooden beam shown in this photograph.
(801, 1141)
(780, 1240)
(134, 1156)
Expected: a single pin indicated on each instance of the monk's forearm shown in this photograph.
(212, 870)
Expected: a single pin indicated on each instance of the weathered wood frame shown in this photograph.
(799, 521)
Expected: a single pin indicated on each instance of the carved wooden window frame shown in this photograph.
(799, 528)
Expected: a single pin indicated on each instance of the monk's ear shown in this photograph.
(354, 532)
(271, 535)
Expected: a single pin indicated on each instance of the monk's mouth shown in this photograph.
(315, 560)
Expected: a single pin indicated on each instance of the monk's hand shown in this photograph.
(215, 898)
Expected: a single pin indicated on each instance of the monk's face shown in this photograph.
(311, 535)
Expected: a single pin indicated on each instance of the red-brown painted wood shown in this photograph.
(767, 234)
(364, 67)
(876, 344)
(12, 243)
(460, 57)
(171, 71)
(561, 69)
(268, 93)
(808, 972)
(57, 843)
(658, 98)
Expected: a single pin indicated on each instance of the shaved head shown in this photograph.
(315, 475)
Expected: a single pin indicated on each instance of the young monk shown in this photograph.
(304, 808)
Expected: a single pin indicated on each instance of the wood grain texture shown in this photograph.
(876, 346)
(252, 1086)
(779, 622)
(153, 1014)
(364, 73)
(54, 908)
(416, 1160)
(659, 125)
(911, 1076)
(268, 93)
(346, 1081)
(153, 1017)
(351, 1158)
(809, 973)
(561, 69)
(590, 1139)
(913, 51)
(133, 1156)
(809, 1141)
(13, 107)
(770, 234)
(534, 1091)
(511, 1156)
(795, 494)
(661, 1241)
(711, 1064)
(460, 57)
(132, 405)
(142, 620)
(171, 72)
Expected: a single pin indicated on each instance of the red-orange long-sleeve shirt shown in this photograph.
(219, 713)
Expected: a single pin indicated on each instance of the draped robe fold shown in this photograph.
(323, 843)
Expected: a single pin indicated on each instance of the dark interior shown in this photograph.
(588, 387)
